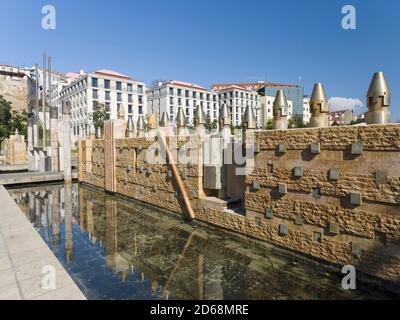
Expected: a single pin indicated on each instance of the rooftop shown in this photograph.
(112, 73)
(185, 84)
(250, 85)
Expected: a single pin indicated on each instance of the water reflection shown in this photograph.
(115, 248)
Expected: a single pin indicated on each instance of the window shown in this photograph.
(129, 98)
(107, 84)
(119, 96)
(95, 94)
(179, 92)
(171, 91)
(171, 110)
(140, 89)
(194, 94)
(171, 100)
(130, 110)
(140, 109)
(187, 111)
(201, 95)
(140, 99)
(95, 82)
(107, 95)
(179, 101)
(118, 85)
(130, 87)
(187, 102)
(107, 107)
(187, 93)
(208, 97)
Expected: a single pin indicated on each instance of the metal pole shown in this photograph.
(44, 102)
(49, 76)
(36, 122)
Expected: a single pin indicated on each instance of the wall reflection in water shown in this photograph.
(115, 248)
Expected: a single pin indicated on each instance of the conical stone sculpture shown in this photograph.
(378, 100)
(319, 107)
(280, 111)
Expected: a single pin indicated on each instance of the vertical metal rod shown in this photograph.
(36, 127)
(49, 102)
(44, 101)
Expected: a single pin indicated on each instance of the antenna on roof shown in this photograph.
(299, 81)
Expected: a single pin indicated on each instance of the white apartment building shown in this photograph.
(266, 112)
(237, 99)
(306, 110)
(170, 95)
(108, 87)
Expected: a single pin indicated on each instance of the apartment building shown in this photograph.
(237, 99)
(170, 95)
(341, 117)
(267, 113)
(306, 110)
(107, 87)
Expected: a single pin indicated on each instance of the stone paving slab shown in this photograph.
(23, 259)
(30, 177)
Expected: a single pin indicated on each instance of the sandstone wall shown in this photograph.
(326, 225)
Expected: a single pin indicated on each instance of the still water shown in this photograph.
(116, 248)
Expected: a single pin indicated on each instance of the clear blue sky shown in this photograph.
(214, 41)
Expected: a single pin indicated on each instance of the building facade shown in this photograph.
(306, 110)
(17, 87)
(170, 95)
(237, 99)
(266, 112)
(106, 87)
(293, 93)
(341, 117)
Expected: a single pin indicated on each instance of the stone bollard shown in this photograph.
(280, 110)
(378, 100)
(319, 107)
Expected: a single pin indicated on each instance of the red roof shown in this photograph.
(186, 84)
(112, 73)
(253, 85)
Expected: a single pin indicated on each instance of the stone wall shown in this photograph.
(350, 215)
(17, 88)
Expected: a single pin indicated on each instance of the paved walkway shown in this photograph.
(23, 255)
(29, 177)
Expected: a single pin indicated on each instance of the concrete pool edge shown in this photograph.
(26, 262)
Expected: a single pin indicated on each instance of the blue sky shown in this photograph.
(214, 41)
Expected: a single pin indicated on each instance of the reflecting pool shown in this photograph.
(116, 248)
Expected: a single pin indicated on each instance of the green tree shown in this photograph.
(99, 115)
(5, 119)
(210, 125)
(19, 121)
(270, 124)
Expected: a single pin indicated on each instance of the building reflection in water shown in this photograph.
(115, 248)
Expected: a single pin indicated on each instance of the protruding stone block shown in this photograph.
(317, 236)
(356, 249)
(282, 148)
(169, 174)
(356, 148)
(380, 177)
(256, 185)
(334, 174)
(256, 148)
(315, 148)
(282, 188)
(333, 227)
(356, 198)
(268, 213)
(298, 172)
(283, 229)
(299, 220)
